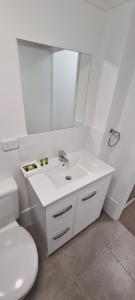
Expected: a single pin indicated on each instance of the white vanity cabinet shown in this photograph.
(71, 214)
(70, 206)
(62, 219)
(59, 222)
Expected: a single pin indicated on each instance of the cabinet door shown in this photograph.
(59, 221)
(55, 241)
(89, 203)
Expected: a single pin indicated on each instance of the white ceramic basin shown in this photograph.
(62, 175)
(84, 168)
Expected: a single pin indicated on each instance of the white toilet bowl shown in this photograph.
(18, 262)
(18, 252)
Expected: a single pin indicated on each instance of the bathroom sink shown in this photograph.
(61, 175)
(56, 180)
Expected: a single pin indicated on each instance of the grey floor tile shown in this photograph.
(54, 276)
(128, 218)
(83, 249)
(110, 230)
(123, 248)
(95, 265)
(37, 234)
(105, 279)
(73, 292)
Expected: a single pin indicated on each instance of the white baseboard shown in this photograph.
(30, 216)
(112, 208)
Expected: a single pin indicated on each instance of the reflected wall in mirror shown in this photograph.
(54, 85)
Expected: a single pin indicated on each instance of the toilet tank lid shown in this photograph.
(7, 186)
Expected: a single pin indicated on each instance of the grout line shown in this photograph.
(118, 5)
(108, 9)
(124, 268)
(96, 5)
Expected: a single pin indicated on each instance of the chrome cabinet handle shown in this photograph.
(63, 211)
(89, 196)
(59, 235)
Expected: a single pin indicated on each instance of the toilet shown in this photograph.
(18, 252)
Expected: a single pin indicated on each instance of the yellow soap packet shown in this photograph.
(43, 161)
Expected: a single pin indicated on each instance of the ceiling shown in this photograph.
(107, 4)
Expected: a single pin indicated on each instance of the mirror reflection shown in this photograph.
(54, 85)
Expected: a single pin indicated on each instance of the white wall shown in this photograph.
(114, 43)
(122, 117)
(72, 24)
(84, 68)
(115, 104)
(64, 75)
(105, 95)
(123, 157)
(36, 77)
(43, 21)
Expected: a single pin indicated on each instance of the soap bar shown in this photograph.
(43, 161)
(30, 167)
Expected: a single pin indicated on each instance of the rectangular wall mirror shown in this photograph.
(54, 85)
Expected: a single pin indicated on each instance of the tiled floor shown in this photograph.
(128, 218)
(98, 264)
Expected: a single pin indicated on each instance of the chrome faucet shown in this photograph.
(62, 156)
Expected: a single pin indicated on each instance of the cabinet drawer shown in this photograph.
(56, 240)
(60, 215)
(89, 203)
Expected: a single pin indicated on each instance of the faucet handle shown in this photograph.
(62, 153)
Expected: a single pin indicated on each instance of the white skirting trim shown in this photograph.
(30, 215)
(111, 208)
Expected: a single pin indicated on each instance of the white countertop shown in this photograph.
(47, 191)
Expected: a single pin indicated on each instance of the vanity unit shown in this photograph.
(71, 195)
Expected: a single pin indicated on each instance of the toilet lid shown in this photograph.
(18, 262)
